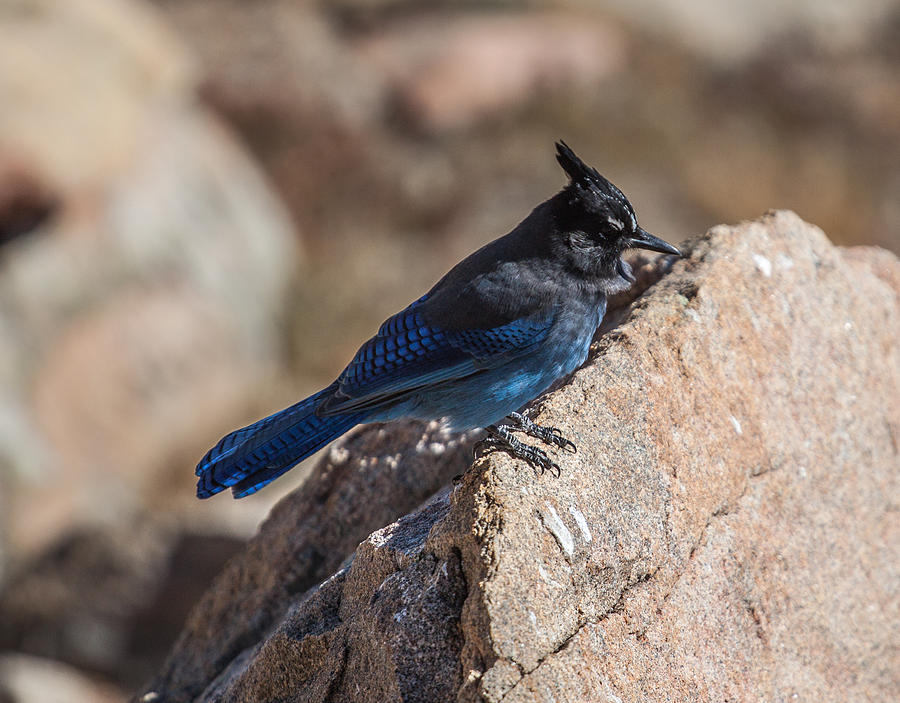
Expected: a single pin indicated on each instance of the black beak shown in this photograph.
(642, 239)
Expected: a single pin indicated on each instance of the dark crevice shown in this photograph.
(456, 553)
(337, 680)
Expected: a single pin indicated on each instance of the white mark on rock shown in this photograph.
(693, 314)
(548, 578)
(581, 522)
(786, 307)
(763, 264)
(737, 425)
(553, 523)
(338, 455)
(785, 263)
(380, 538)
(533, 618)
(752, 314)
(802, 471)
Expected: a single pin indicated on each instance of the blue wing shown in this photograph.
(409, 354)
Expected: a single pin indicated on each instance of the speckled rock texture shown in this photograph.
(729, 529)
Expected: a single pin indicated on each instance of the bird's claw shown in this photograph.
(547, 434)
(501, 437)
(553, 435)
(538, 457)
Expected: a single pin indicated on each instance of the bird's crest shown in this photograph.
(590, 188)
(578, 171)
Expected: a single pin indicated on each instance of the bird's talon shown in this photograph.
(502, 437)
(547, 434)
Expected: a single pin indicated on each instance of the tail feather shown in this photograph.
(249, 458)
(333, 427)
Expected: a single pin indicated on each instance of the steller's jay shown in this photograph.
(490, 336)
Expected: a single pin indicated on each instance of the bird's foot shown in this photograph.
(502, 437)
(548, 435)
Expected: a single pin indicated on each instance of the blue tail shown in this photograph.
(249, 458)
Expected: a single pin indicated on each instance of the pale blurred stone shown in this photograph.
(450, 72)
(275, 60)
(142, 316)
(732, 31)
(77, 81)
(34, 680)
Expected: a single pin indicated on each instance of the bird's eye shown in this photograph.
(617, 225)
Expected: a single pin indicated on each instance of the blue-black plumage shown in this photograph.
(494, 333)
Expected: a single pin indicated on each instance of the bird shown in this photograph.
(493, 334)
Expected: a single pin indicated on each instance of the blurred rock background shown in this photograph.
(206, 205)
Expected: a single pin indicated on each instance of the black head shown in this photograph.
(599, 217)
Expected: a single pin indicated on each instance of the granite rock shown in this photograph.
(727, 530)
(362, 483)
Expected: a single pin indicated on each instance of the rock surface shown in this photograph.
(727, 530)
(366, 481)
